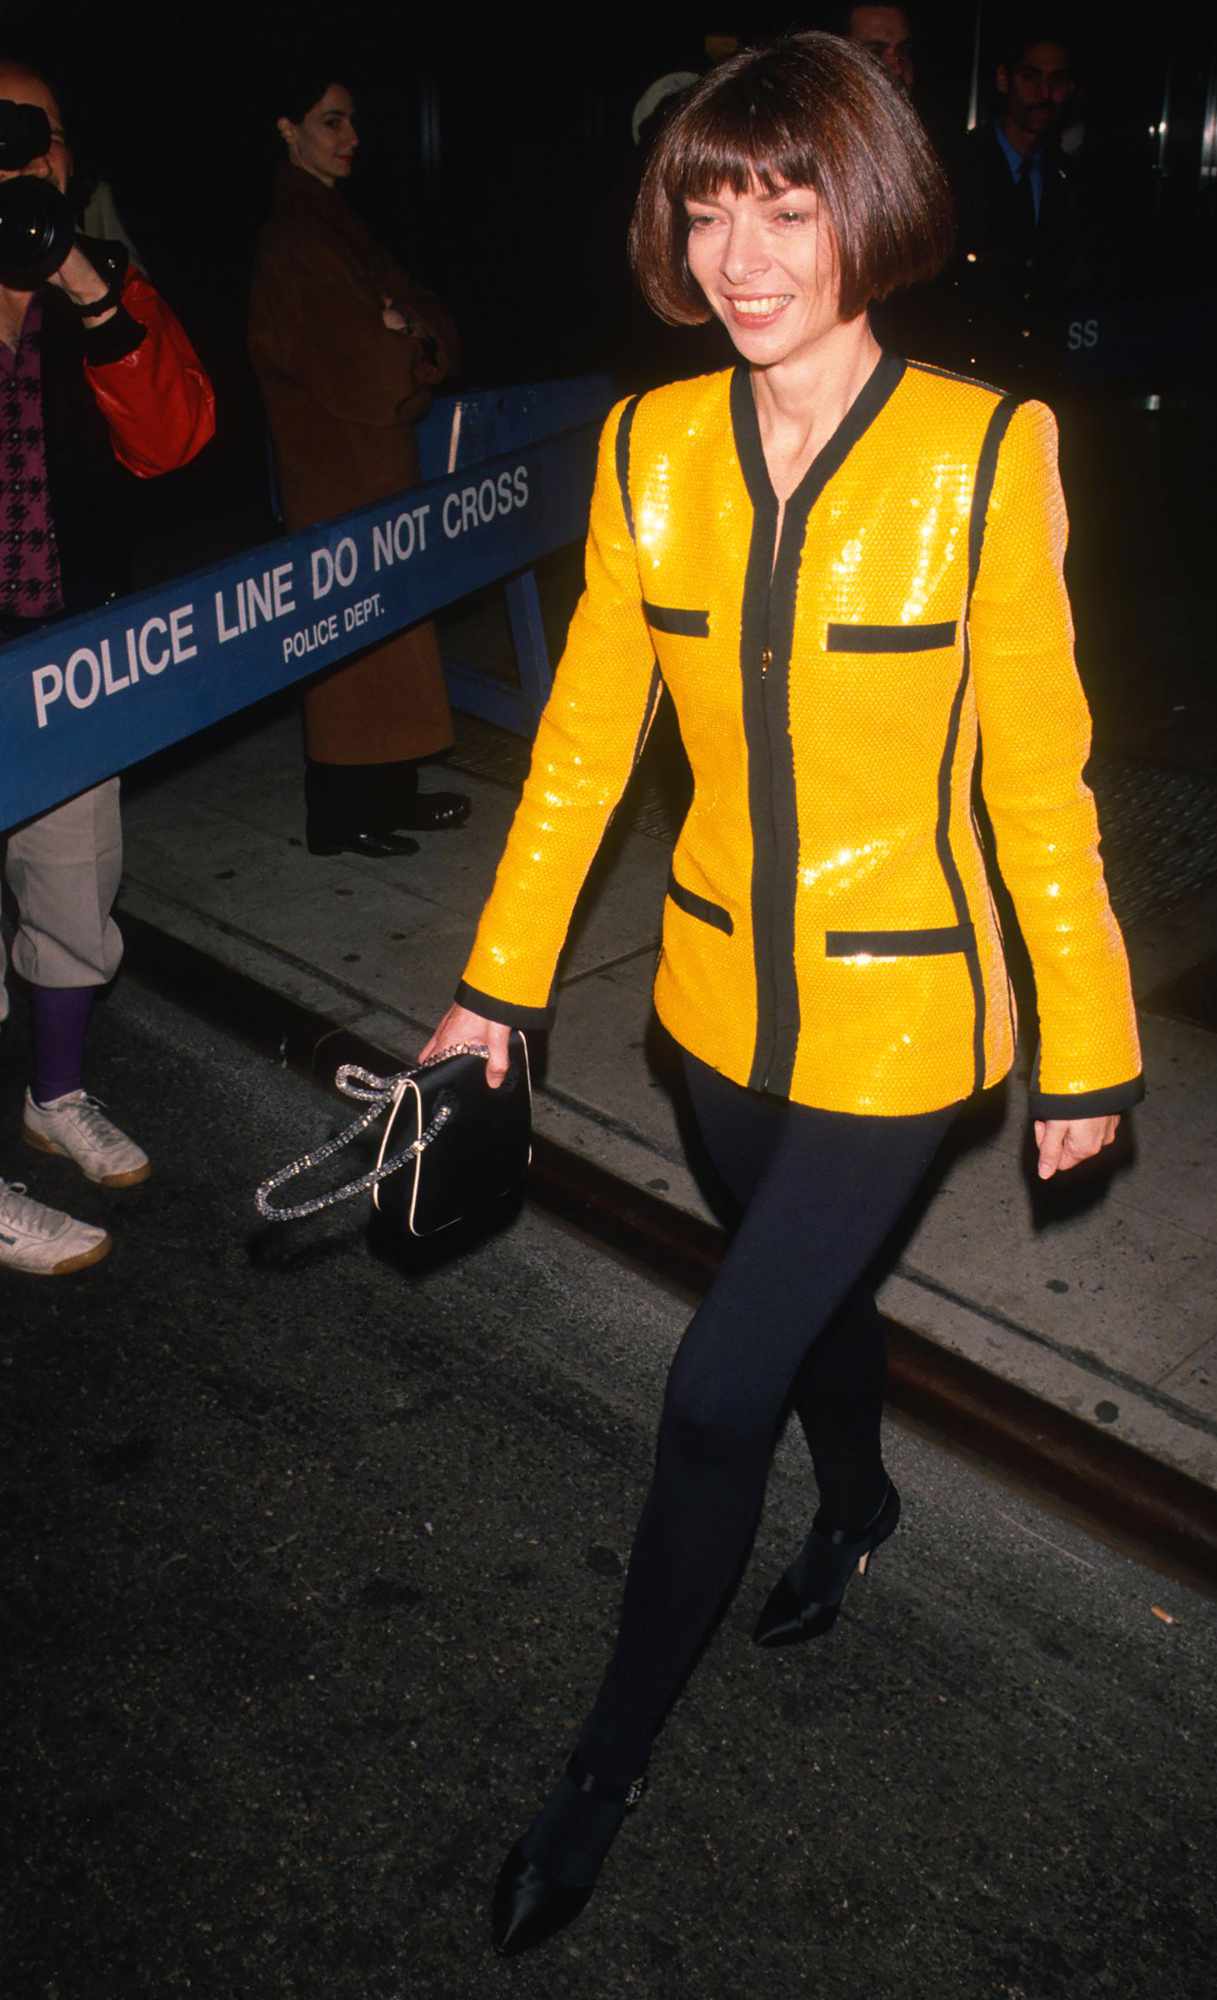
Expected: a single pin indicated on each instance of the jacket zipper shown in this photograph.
(766, 1065)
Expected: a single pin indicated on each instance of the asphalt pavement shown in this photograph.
(309, 1566)
(1090, 1303)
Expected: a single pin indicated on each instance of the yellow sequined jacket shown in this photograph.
(829, 933)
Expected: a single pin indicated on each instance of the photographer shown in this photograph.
(97, 382)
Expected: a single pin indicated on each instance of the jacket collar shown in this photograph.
(311, 204)
(293, 188)
(859, 417)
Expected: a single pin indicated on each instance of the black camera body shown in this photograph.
(25, 135)
(36, 225)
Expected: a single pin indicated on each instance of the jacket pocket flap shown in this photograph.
(890, 638)
(900, 944)
(673, 618)
(700, 906)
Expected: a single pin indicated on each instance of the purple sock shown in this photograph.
(60, 1017)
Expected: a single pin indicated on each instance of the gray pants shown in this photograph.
(64, 870)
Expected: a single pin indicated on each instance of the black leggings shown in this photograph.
(788, 1318)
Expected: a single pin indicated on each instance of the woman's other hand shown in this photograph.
(393, 316)
(1066, 1142)
(459, 1025)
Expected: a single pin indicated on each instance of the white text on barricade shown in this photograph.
(116, 663)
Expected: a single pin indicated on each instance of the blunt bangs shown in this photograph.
(741, 150)
(812, 111)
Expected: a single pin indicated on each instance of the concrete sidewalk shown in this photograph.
(1102, 1302)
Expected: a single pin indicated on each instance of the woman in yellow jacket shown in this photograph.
(846, 569)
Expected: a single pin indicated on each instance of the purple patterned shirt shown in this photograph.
(29, 560)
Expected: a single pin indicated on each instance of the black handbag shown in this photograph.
(453, 1149)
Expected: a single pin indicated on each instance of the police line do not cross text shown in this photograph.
(280, 595)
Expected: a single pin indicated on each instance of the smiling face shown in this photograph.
(20, 87)
(324, 142)
(768, 267)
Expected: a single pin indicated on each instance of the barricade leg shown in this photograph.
(528, 636)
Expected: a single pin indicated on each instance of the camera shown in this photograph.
(36, 225)
(25, 135)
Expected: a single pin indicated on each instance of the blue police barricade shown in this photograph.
(87, 696)
(464, 431)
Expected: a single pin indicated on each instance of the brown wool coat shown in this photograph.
(342, 395)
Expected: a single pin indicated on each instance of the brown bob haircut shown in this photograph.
(809, 111)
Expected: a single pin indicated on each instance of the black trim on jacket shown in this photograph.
(986, 469)
(694, 905)
(654, 694)
(675, 619)
(622, 456)
(955, 375)
(505, 1012)
(933, 943)
(1108, 1103)
(766, 645)
(890, 638)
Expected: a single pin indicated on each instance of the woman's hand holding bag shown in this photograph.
(460, 1025)
(464, 1150)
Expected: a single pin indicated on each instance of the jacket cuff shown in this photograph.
(114, 341)
(1088, 1103)
(503, 1011)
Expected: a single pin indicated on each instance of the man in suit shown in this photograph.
(1022, 244)
(887, 34)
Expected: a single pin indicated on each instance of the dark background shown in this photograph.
(497, 158)
(497, 155)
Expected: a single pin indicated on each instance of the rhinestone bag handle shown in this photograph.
(379, 1093)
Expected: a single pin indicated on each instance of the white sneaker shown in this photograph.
(77, 1126)
(44, 1241)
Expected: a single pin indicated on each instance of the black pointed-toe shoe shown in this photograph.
(576, 1827)
(805, 1601)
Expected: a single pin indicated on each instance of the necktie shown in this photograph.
(1025, 195)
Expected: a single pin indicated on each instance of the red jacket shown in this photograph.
(129, 397)
(156, 400)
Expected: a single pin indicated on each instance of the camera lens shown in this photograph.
(36, 231)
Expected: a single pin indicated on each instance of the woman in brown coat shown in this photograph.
(347, 352)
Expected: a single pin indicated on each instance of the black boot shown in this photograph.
(341, 815)
(549, 1876)
(805, 1601)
